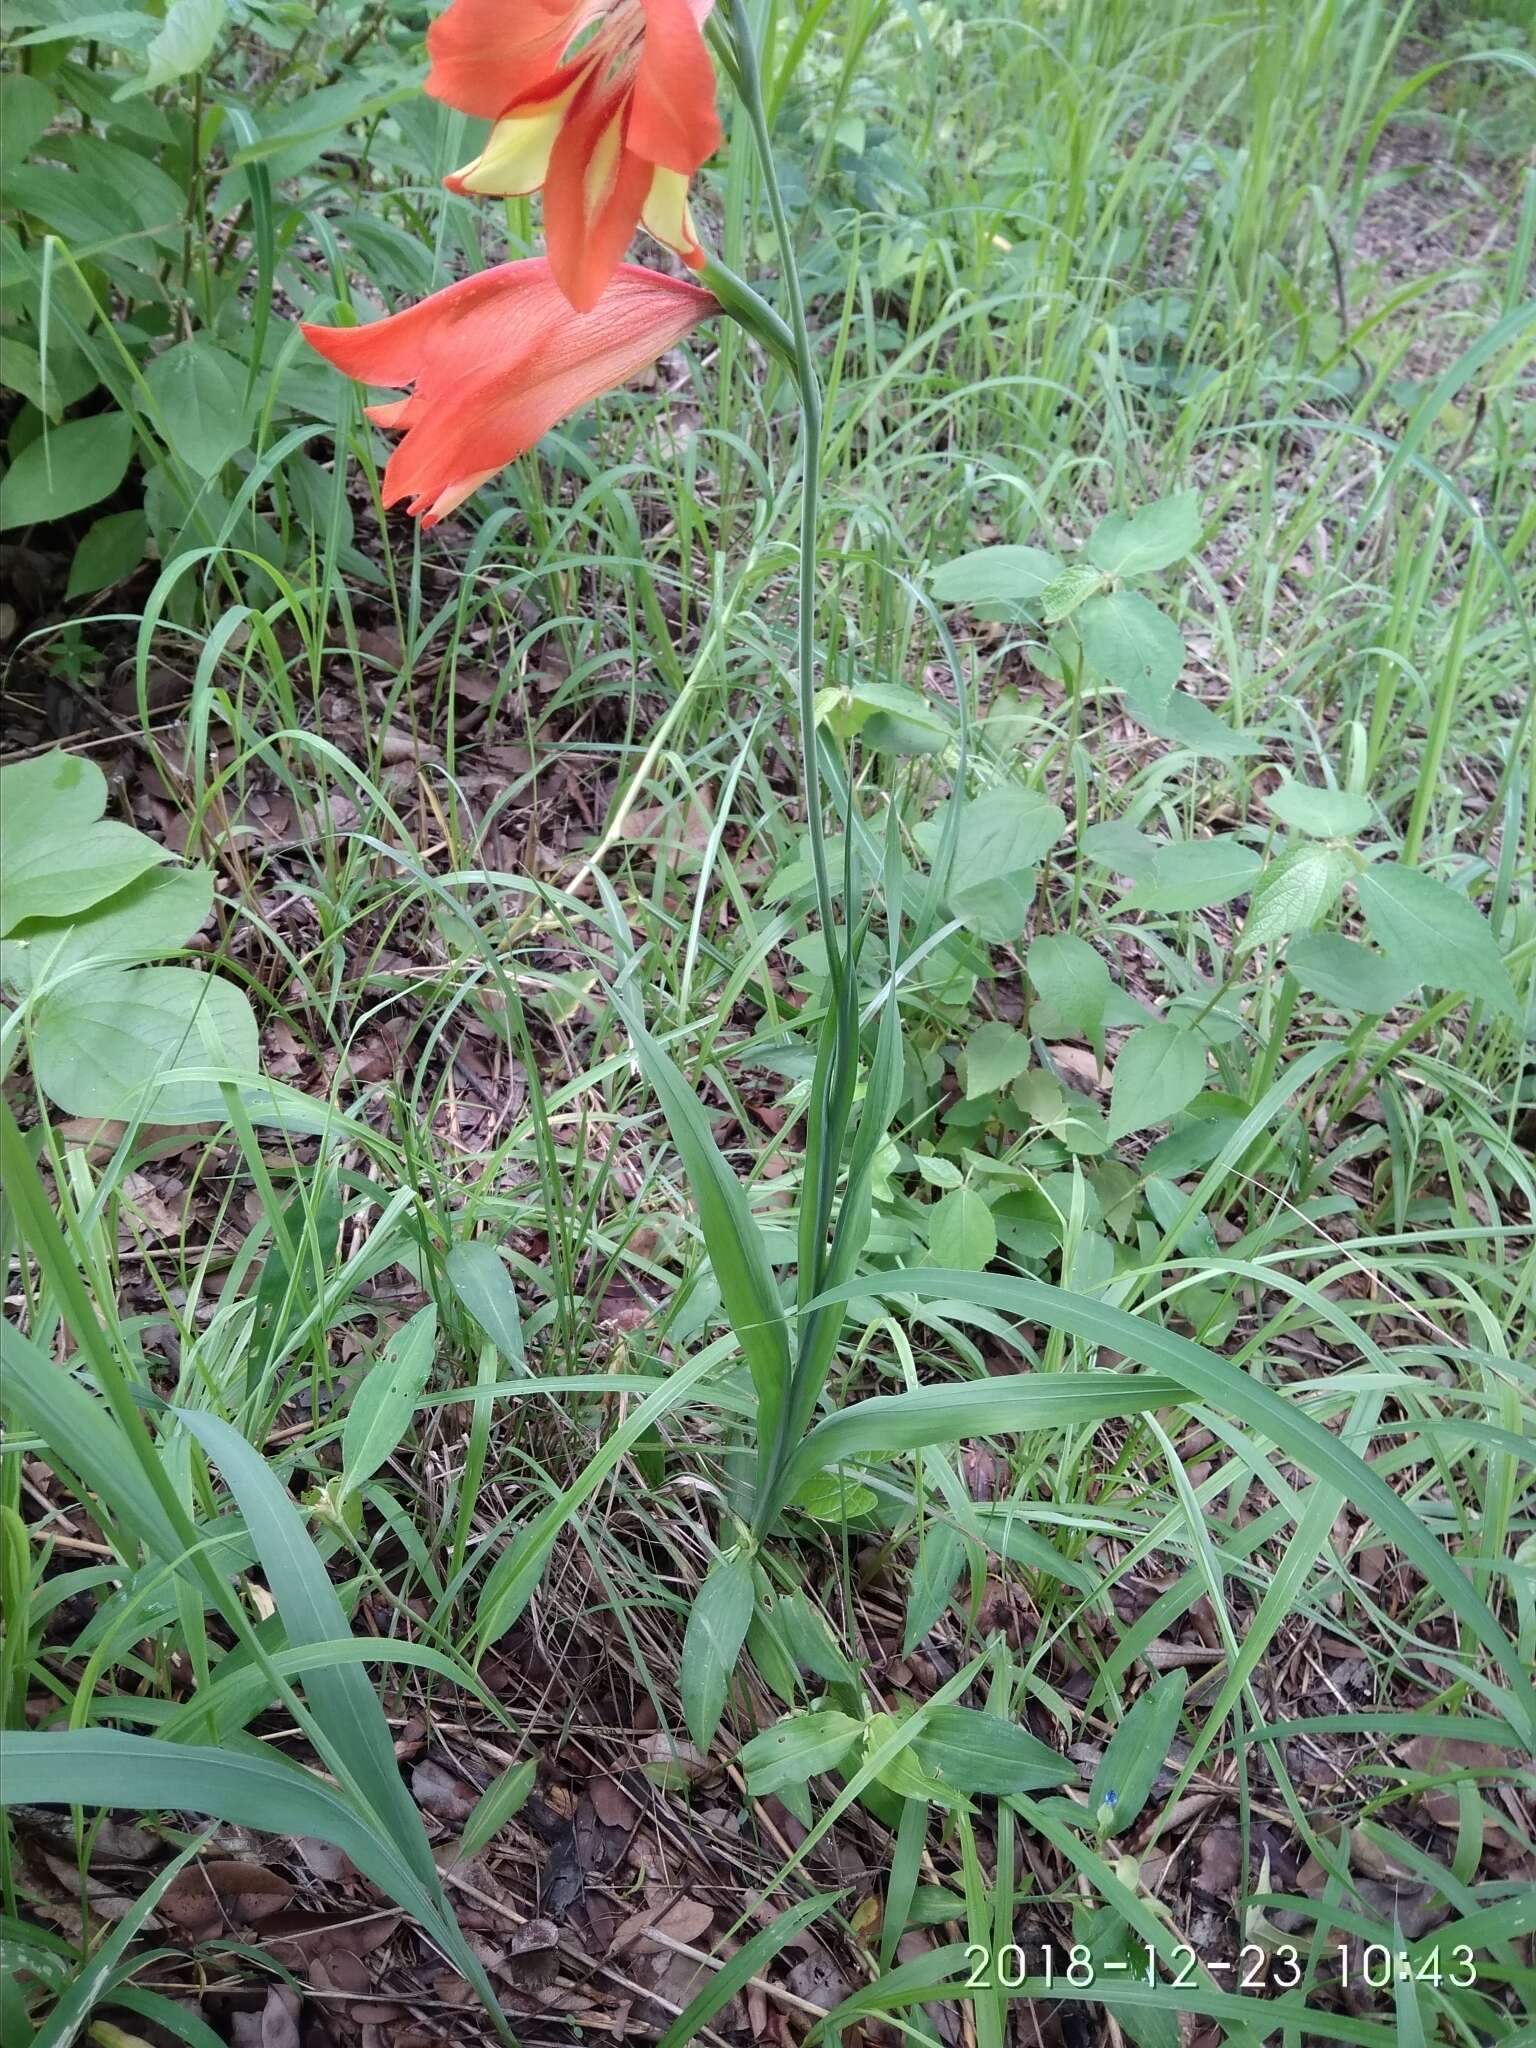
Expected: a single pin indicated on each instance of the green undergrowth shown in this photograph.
(424, 1150)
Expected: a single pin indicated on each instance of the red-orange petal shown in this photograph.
(496, 361)
(487, 53)
(673, 121)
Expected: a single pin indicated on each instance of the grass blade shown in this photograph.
(942, 1415)
(733, 1976)
(344, 1704)
(103, 1766)
(95, 1980)
(1216, 1380)
(731, 1234)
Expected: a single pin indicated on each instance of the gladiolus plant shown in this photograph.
(609, 110)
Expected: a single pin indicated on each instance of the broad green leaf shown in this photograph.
(1294, 893)
(1137, 543)
(184, 43)
(1131, 644)
(110, 550)
(63, 872)
(810, 1641)
(1433, 931)
(939, 1173)
(717, 1628)
(1073, 982)
(26, 109)
(802, 1747)
(153, 915)
(1137, 1751)
(1069, 592)
(895, 732)
(830, 1497)
(888, 717)
(149, 1042)
(1192, 874)
(65, 470)
(770, 1655)
(1159, 1069)
(118, 25)
(940, 1560)
(978, 1752)
(1002, 583)
(961, 1232)
(55, 795)
(21, 370)
(382, 1407)
(105, 194)
(1320, 813)
(295, 133)
(1002, 837)
(1043, 1099)
(1186, 721)
(200, 392)
(52, 793)
(1357, 977)
(479, 1277)
(1066, 1116)
(1117, 845)
(902, 1772)
(995, 1056)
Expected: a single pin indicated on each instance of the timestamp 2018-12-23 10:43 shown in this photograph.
(1372, 1966)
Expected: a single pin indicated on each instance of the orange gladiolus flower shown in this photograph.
(495, 361)
(608, 105)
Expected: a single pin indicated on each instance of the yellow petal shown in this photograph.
(666, 214)
(603, 163)
(516, 157)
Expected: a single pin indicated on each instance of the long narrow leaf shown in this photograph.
(731, 1233)
(49, 1401)
(821, 1328)
(95, 1981)
(107, 1767)
(236, 1695)
(942, 1415)
(734, 1975)
(344, 1704)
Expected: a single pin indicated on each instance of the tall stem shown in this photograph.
(749, 82)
